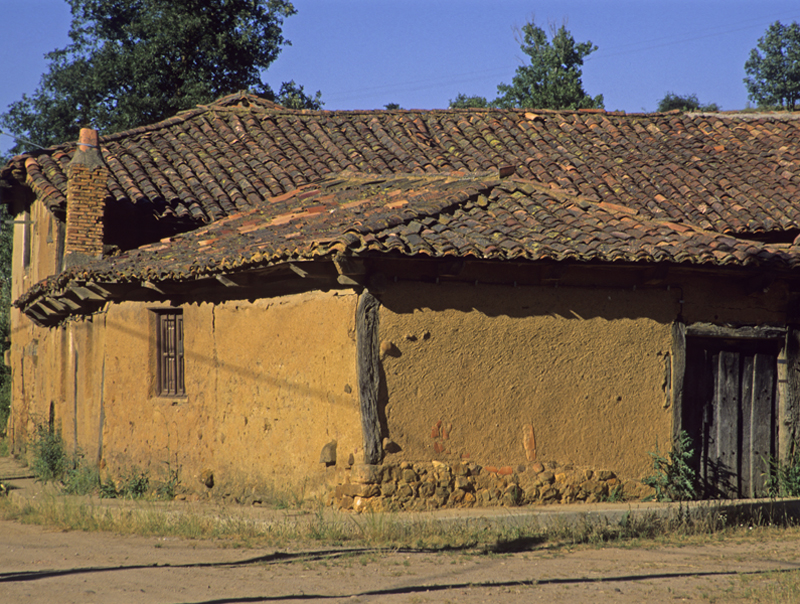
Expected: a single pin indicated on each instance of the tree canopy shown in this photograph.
(773, 68)
(551, 81)
(672, 101)
(132, 62)
(553, 78)
(462, 101)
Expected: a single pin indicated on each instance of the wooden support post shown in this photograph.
(367, 358)
(677, 374)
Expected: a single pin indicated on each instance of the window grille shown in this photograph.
(170, 354)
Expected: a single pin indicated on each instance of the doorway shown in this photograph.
(729, 411)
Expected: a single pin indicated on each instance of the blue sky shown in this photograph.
(363, 54)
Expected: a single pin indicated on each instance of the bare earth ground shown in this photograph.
(38, 564)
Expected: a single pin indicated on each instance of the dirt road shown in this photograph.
(41, 565)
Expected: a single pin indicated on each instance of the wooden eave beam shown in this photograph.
(349, 266)
(70, 303)
(296, 269)
(55, 304)
(99, 290)
(39, 317)
(154, 287)
(84, 293)
(45, 309)
(351, 271)
(226, 281)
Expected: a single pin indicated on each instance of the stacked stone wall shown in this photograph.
(434, 485)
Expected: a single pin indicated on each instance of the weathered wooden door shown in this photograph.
(729, 410)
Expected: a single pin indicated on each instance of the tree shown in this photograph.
(6, 238)
(773, 68)
(553, 79)
(292, 96)
(462, 101)
(672, 101)
(391, 106)
(133, 62)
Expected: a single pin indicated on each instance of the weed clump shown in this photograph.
(674, 478)
(50, 461)
(784, 478)
(133, 486)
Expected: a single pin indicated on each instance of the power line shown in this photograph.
(19, 138)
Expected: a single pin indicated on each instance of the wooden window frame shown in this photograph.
(170, 379)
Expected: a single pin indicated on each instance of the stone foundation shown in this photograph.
(429, 486)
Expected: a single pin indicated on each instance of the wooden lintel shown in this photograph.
(84, 293)
(298, 270)
(153, 286)
(758, 332)
(226, 281)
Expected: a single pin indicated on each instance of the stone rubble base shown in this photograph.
(429, 486)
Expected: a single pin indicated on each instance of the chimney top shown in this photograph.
(87, 139)
(88, 151)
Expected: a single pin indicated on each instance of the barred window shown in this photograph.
(169, 345)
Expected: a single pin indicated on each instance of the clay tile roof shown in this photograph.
(719, 172)
(252, 184)
(459, 215)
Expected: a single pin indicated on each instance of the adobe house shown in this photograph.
(448, 304)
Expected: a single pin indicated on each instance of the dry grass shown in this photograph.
(321, 525)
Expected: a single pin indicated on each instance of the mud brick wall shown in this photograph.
(429, 486)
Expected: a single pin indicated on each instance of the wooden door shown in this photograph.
(729, 409)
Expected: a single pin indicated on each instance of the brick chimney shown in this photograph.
(87, 189)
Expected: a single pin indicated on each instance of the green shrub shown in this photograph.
(50, 461)
(674, 478)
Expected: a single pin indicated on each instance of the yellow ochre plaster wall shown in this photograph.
(492, 374)
(503, 375)
(268, 384)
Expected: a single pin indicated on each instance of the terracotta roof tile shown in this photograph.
(479, 216)
(720, 172)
